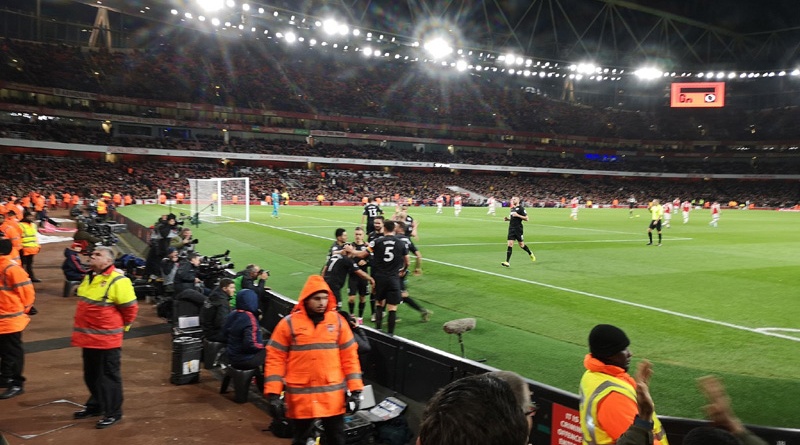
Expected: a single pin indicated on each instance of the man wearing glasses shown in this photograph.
(106, 308)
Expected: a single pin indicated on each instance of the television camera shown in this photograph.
(99, 230)
(214, 268)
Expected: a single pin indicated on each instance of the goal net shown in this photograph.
(219, 200)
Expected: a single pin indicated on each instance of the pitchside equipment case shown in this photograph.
(187, 353)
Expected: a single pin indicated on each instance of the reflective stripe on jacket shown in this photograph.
(595, 387)
(16, 296)
(314, 365)
(106, 306)
(30, 242)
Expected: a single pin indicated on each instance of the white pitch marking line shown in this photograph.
(617, 300)
(586, 294)
(637, 240)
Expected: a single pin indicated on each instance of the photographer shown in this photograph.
(164, 230)
(255, 279)
(215, 309)
(183, 241)
(83, 234)
(169, 268)
(186, 276)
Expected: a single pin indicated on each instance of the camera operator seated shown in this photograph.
(183, 241)
(215, 310)
(82, 234)
(245, 341)
(169, 268)
(186, 276)
(253, 278)
(74, 269)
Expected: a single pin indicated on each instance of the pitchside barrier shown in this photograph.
(413, 372)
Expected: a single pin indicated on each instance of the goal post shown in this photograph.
(218, 200)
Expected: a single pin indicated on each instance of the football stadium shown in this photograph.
(647, 150)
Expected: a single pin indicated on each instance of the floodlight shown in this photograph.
(230, 3)
(796, 73)
(509, 59)
(329, 26)
(245, 7)
(782, 73)
(312, 42)
(173, 11)
(215, 21)
(720, 75)
(188, 15)
(377, 53)
(647, 73)
(344, 29)
(211, 5)
(241, 26)
(438, 48)
(356, 32)
(201, 18)
(291, 37)
(260, 10)
(731, 75)
(519, 60)
(461, 65)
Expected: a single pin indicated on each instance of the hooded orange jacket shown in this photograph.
(314, 365)
(16, 296)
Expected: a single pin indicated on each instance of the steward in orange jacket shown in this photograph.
(16, 300)
(608, 393)
(313, 357)
(10, 230)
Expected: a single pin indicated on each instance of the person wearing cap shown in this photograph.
(106, 309)
(16, 301)
(608, 405)
(313, 358)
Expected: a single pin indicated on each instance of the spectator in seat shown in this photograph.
(245, 341)
(74, 269)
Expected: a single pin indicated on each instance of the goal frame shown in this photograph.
(218, 206)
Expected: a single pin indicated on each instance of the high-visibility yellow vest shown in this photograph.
(595, 386)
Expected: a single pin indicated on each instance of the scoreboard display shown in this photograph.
(698, 95)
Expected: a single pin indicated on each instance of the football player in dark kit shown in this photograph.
(355, 284)
(389, 264)
(515, 218)
(371, 210)
(378, 232)
(340, 265)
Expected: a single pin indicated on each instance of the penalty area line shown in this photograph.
(619, 301)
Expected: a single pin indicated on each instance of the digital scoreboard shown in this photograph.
(698, 95)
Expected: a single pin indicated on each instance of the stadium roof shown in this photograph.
(673, 34)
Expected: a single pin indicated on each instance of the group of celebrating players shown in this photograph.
(385, 254)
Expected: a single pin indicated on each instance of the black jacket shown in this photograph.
(213, 313)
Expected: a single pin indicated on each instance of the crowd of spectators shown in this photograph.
(144, 179)
(743, 165)
(262, 75)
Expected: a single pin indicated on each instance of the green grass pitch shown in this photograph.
(722, 300)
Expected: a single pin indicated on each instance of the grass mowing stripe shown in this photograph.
(763, 331)
(575, 291)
